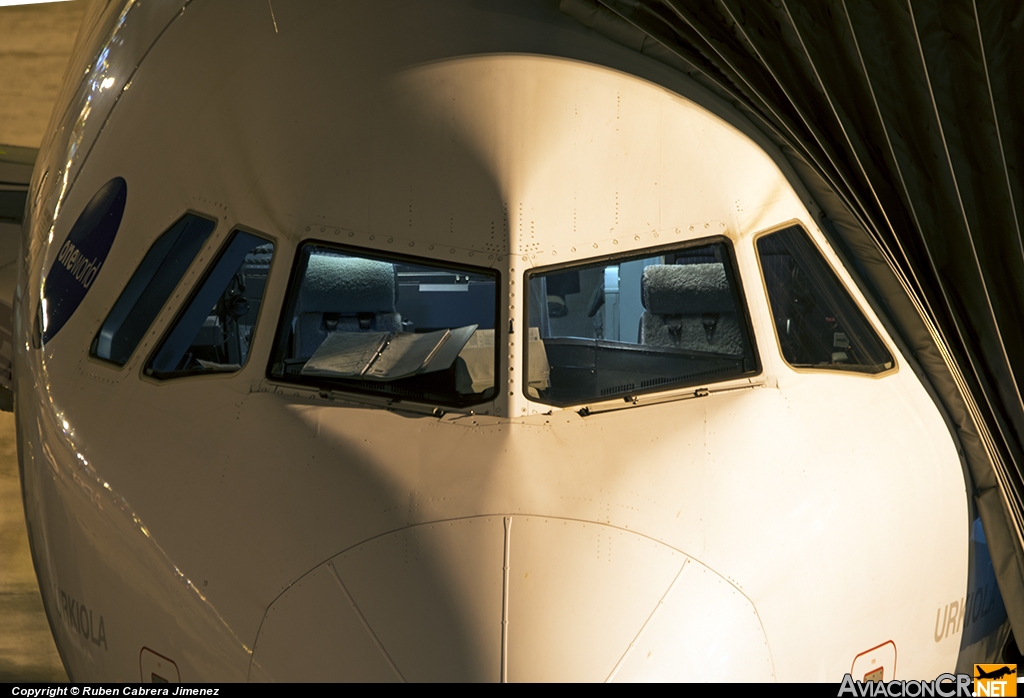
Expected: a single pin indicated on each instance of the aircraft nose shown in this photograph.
(516, 598)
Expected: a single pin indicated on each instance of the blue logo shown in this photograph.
(81, 257)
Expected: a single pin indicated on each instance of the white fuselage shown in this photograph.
(244, 528)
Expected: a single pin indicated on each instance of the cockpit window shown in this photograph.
(817, 322)
(663, 319)
(400, 328)
(149, 288)
(214, 331)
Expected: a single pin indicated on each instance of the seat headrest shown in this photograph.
(686, 289)
(348, 285)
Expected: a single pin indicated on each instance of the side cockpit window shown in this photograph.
(396, 327)
(661, 319)
(214, 331)
(816, 320)
(149, 288)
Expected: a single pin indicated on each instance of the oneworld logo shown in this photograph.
(84, 270)
(80, 258)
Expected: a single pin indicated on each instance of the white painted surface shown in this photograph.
(824, 511)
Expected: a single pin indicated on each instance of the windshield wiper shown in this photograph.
(681, 394)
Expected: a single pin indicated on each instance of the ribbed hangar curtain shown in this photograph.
(904, 119)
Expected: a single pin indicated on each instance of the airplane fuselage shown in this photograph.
(199, 516)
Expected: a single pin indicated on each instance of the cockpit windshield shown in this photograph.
(665, 318)
(405, 329)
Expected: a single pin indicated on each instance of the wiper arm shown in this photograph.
(681, 394)
(390, 404)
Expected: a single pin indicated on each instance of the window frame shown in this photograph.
(871, 318)
(190, 298)
(299, 264)
(179, 285)
(732, 270)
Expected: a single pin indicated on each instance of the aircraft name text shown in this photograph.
(81, 619)
(976, 605)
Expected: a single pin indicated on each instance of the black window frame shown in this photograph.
(94, 345)
(196, 288)
(299, 263)
(844, 288)
(732, 271)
